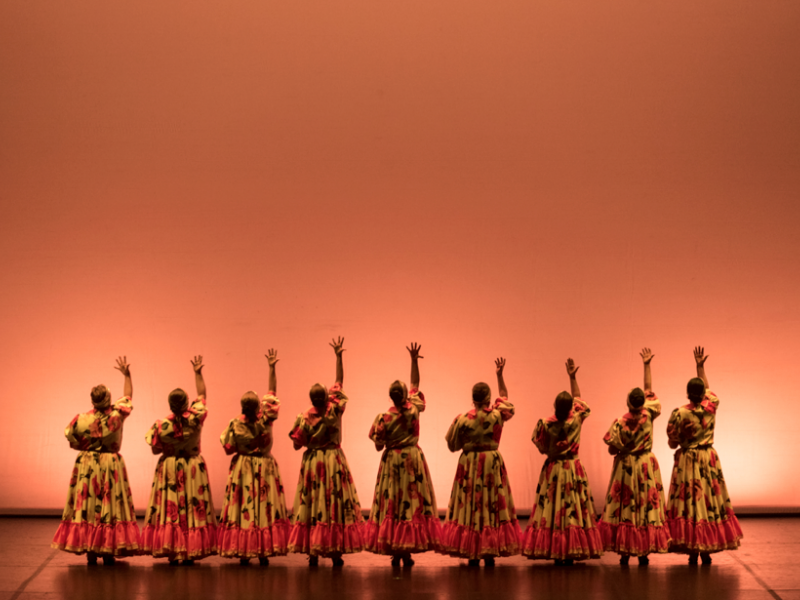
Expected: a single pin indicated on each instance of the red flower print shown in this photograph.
(568, 488)
(246, 514)
(96, 429)
(715, 487)
(687, 429)
(320, 470)
(181, 502)
(551, 489)
(497, 431)
(157, 500)
(180, 480)
(263, 490)
(644, 469)
(682, 492)
(96, 487)
(113, 423)
(614, 492)
(183, 521)
(654, 497)
(697, 489)
(200, 510)
(172, 511)
(481, 464)
(194, 471)
(201, 490)
(579, 469)
(501, 502)
(712, 459)
(460, 473)
(543, 523)
(237, 496)
(106, 489)
(74, 479)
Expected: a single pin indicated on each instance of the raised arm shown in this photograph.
(124, 368)
(700, 358)
(413, 350)
(500, 364)
(337, 344)
(647, 356)
(572, 370)
(197, 365)
(272, 357)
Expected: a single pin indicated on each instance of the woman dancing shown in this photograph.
(404, 518)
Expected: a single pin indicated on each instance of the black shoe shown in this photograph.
(174, 562)
(568, 562)
(624, 560)
(693, 558)
(408, 561)
(244, 561)
(91, 558)
(313, 561)
(705, 558)
(263, 561)
(338, 561)
(396, 561)
(188, 562)
(558, 562)
(109, 560)
(644, 561)
(488, 561)
(474, 562)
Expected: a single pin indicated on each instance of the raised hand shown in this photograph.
(499, 364)
(571, 368)
(646, 355)
(699, 356)
(272, 356)
(414, 350)
(123, 366)
(337, 344)
(197, 364)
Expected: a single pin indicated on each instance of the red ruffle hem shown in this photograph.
(628, 539)
(574, 543)
(399, 537)
(702, 536)
(324, 539)
(255, 542)
(179, 544)
(460, 541)
(119, 539)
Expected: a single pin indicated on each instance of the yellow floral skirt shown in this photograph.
(699, 511)
(481, 518)
(253, 522)
(327, 514)
(634, 521)
(404, 517)
(98, 516)
(563, 521)
(180, 523)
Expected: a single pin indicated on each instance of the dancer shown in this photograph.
(481, 521)
(253, 522)
(327, 515)
(633, 522)
(180, 522)
(98, 518)
(404, 518)
(562, 525)
(699, 513)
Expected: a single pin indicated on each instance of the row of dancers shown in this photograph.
(326, 521)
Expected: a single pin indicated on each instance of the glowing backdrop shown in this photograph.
(534, 180)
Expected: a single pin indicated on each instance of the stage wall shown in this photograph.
(533, 180)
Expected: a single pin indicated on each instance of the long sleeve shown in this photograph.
(540, 437)
(153, 439)
(674, 429)
(228, 439)
(453, 437)
(298, 433)
(377, 433)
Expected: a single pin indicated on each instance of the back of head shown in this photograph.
(101, 397)
(250, 404)
(636, 398)
(318, 394)
(481, 393)
(398, 392)
(696, 389)
(563, 405)
(178, 401)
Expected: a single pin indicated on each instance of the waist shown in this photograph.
(181, 454)
(401, 446)
(474, 447)
(565, 456)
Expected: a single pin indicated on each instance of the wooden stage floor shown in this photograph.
(766, 566)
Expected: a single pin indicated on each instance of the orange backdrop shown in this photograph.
(531, 179)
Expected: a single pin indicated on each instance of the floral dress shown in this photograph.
(99, 516)
(253, 522)
(699, 511)
(563, 520)
(180, 522)
(327, 516)
(633, 522)
(404, 517)
(481, 520)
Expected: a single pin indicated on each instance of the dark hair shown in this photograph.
(178, 399)
(563, 406)
(397, 392)
(318, 394)
(636, 397)
(98, 394)
(481, 392)
(250, 403)
(696, 389)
